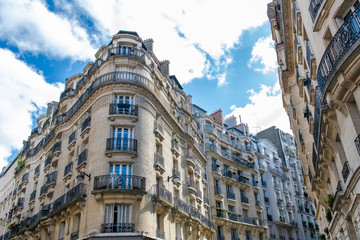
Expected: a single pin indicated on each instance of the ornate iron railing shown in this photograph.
(345, 171)
(119, 182)
(123, 109)
(75, 194)
(131, 52)
(118, 227)
(162, 193)
(72, 137)
(51, 178)
(68, 168)
(82, 157)
(85, 123)
(314, 8)
(340, 44)
(121, 144)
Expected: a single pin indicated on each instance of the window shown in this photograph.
(234, 234)
(178, 230)
(248, 235)
(123, 105)
(123, 139)
(76, 224)
(219, 232)
(62, 231)
(117, 218)
(121, 176)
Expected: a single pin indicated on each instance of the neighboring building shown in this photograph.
(8, 188)
(317, 44)
(290, 212)
(236, 207)
(119, 157)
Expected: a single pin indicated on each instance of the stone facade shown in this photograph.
(290, 211)
(111, 159)
(317, 45)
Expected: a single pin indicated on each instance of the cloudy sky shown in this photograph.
(222, 54)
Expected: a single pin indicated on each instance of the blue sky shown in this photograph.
(222, 54)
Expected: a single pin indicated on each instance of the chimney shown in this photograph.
(149, 44)
(218, 117)
(164, 67)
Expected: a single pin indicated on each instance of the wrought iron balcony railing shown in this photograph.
(72, 137)
(51, 178)
(119, 182)
(117, 228)
(82, 158)
(123, 109)
(340, 44)
(345, 171)
(85, 123)
(121, 144)
(75, 194)
(162, 193)
(68, 168)
(130, 52)
(32, 196)
(181, 205)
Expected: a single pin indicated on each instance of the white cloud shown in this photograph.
(221, 79)
(23, 91)
(263, 56)
(212, 26)
(264, 110)
(30, 26)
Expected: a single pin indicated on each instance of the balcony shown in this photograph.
(160, 234)
(74, 235)
(32, 196)
(192, 187)
(266, 199)
(125, 145)
(76, 194)
(177, 178)
(42, 190)
(82, 158)
(175, 147)
(69, 92)
(230, 195)
(181, 205)
(127, 52)
(51, 179)
(20, 203)
(119, 183)
(269, 217)
(159, 162)
(72, 139)
(221, 213)
(340, 44)
(345, 171)
(25, 178)
(85, 126)
(37, 171)
(162, 194)
(55, 149)
(159, 130)
(117, 228)
(244, 179)
(68, 169)
(357, 144)
(244, 199)
(217, 191)
(122, 109)
(194, 213)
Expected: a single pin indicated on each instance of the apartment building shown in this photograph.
(317, 45)
(290, 211)
(236, 208)
(118, 157)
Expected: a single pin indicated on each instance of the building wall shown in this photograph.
(76, 194)
(317, 47)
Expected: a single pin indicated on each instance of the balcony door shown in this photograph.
(120, 176)
(123, 139)
(118, 218)
(123, 104)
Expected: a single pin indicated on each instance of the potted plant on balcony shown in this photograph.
(218, 164)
